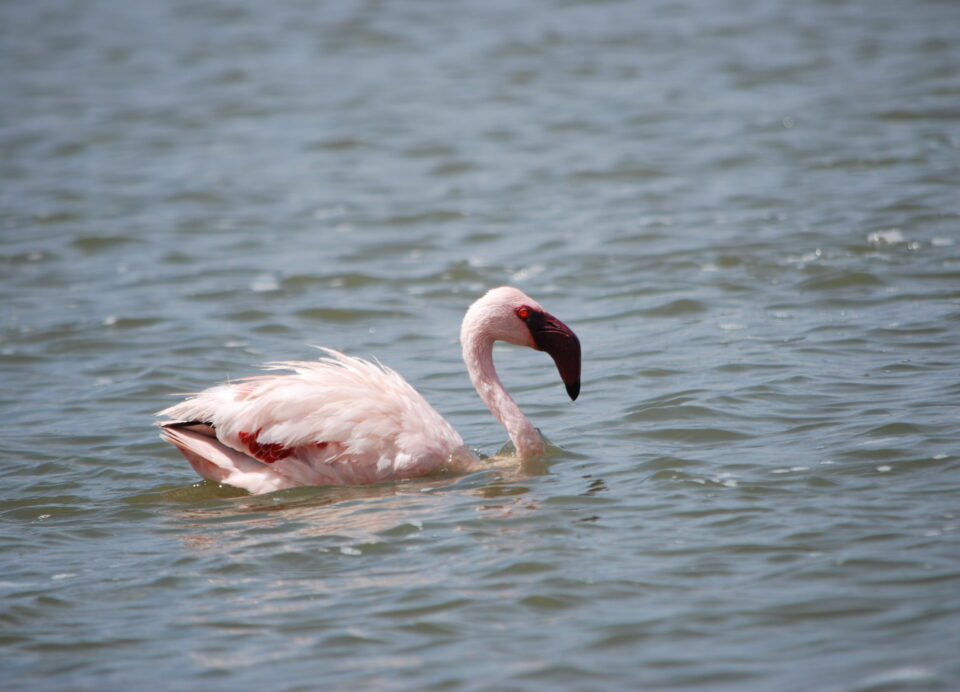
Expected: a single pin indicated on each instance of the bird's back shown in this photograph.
(340, 420)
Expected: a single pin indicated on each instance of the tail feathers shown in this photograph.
(216, 462)
(196, 426)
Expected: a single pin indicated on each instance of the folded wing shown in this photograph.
(340, 420)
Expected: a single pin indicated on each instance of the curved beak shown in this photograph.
(557, 339)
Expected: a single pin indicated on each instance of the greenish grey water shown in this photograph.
(748, 210)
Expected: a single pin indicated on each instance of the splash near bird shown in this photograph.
(347, 421)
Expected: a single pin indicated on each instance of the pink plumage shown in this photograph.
(347, 421)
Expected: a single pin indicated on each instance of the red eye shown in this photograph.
(523, 312)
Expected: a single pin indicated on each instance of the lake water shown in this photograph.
(748, 210)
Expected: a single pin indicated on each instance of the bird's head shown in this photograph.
(508, 314)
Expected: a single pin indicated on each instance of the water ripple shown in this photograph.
(747, 212)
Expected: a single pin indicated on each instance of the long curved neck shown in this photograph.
(478, 355)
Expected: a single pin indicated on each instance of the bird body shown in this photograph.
(347, 421)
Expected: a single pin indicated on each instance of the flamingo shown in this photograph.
(344, 420)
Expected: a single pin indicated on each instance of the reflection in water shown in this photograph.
(221, 515)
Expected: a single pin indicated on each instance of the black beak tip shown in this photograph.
(573, 389)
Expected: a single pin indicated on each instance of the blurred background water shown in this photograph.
(747, 209)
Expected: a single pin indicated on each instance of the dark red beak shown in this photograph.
(554, 337)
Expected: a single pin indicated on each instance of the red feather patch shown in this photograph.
(267, 453)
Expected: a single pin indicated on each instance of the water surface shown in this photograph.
(748, 211)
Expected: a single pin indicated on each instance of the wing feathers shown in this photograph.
(340, 420)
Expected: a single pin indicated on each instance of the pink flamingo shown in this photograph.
(347, 421)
